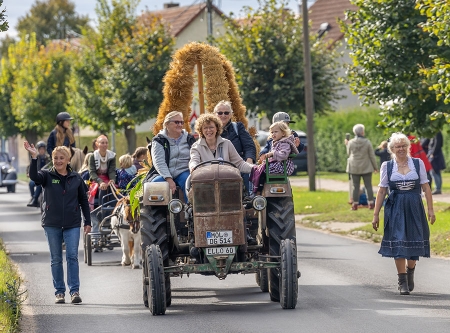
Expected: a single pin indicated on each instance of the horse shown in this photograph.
(128, 231)
(77, 157)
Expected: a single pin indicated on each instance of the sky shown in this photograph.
(18, 8)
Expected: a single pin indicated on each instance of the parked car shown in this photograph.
(300, 161)
(8, 175)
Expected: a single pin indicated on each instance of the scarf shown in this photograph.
(97, 157)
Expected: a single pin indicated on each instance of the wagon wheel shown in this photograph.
(288, 279)
(156, 289)
(88, 250)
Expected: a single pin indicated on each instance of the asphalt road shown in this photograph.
(345, 287)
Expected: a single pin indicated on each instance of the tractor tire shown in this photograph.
(257, 278)
(281, 225)
(168, 290)
(264, 280)
(88, 250)
(156, 289)
(154, 229)
(144, 283)
(289, 281)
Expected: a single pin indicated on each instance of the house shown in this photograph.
(325, 13)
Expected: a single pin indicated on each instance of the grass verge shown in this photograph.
(323, 208)
(11, 295)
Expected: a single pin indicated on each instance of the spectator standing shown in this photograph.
(42, 160)
(437, 161)
(382, 152)
(64, 195)
(62, 133)
(361, 163)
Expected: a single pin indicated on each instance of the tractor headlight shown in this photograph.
(259, 202)
(175, 206)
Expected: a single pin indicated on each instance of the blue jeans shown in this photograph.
(180, 180)
(35, 193)
(71, 237)
(436, 174)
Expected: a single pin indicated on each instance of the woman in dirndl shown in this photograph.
(406, 232)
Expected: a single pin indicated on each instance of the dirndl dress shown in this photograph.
(406, 231)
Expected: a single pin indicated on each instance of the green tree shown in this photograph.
(118, 78)
(4, 45)
(52, 19)
(438, 16)
(3, 23)
(39, 86)
(388, 48)
(266, 49)
(7, 119)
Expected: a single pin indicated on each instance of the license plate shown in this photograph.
(210, 251)
(219, 237)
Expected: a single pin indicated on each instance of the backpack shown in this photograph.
(152, 173)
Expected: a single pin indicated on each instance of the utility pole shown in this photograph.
(209, 4)
(309, 99)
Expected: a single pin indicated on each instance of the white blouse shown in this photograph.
(396, 176)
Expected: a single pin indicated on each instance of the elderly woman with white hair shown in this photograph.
(406, 232)
(361, 163)
(170, 151)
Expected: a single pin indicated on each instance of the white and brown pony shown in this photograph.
(128, 230)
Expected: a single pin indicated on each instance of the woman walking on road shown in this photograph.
(406, 232)
(64, 195)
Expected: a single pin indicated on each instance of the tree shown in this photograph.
(267, 53)
(118, 80)
(438, 75)
(388, 48)
(52, 19)
(39, 85)
(3, 23)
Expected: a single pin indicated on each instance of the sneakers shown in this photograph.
(76, 298)
(59, 299)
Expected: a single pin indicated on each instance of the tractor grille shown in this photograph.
(230, 197)
(204, 198)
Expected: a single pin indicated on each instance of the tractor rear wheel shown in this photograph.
(263, 280)
(288, 282)
(281, 225)
(156, 289)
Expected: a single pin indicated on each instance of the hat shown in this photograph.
(281, 116)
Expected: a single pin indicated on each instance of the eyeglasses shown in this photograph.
(401, 147)
(223, 112)
(177, 122)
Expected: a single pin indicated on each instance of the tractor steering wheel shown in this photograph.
(213, 162)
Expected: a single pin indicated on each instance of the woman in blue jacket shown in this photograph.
(64, 195)
(238, 135)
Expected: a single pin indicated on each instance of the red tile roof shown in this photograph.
(329, 11)
(180, 17)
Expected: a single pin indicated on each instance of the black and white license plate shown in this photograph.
(210, 251)
(219, 237)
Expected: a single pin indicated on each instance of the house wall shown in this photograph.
(351, 100)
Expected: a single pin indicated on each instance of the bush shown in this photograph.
(329, 135)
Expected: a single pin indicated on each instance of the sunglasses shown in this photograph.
(177, 122)
(225, 113)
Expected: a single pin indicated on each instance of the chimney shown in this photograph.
(171, 5)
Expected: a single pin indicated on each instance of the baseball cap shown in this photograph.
(281, 116)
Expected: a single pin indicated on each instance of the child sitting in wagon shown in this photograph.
(283, 145)
(127, 171)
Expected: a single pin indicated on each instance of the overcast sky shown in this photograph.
(18, 8)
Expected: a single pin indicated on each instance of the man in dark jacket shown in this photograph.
(436, 158)
(42, 160)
